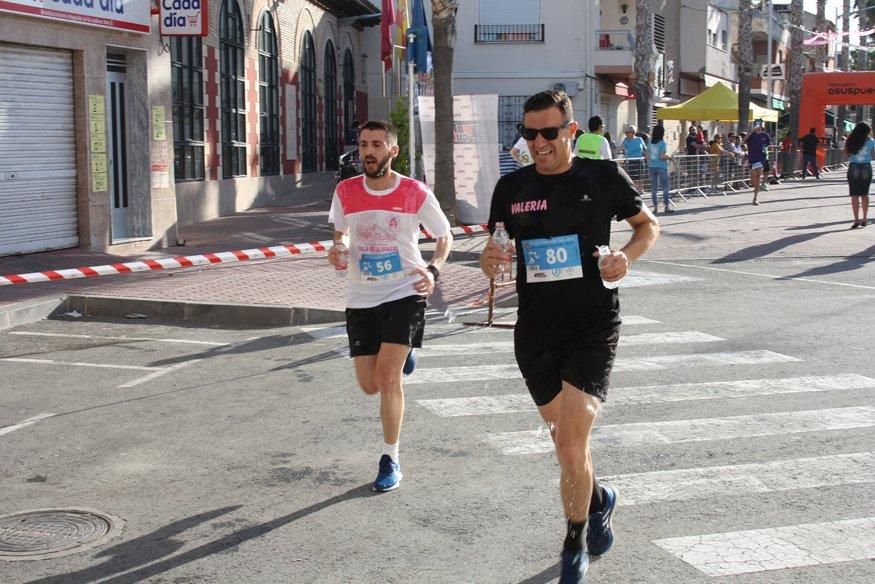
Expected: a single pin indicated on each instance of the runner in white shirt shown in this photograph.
(377, 217)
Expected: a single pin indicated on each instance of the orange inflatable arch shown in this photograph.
(837, 88)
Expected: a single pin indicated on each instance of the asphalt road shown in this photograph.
(742, 401)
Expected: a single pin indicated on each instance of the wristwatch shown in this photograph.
(434, 272)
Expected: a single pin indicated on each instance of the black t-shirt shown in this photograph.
(691, 145)
(581, 202)
(809, 144)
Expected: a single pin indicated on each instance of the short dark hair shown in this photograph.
(595, 123)
(391, 132)
(812, 131)
(547, 99)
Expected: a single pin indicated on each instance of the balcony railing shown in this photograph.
(614, 40)
(508, 33)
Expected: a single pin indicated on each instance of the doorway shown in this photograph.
(117, 145)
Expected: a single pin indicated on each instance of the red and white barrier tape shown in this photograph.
(207, 259)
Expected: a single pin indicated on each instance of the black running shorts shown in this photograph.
(399, 321)
(584, 362)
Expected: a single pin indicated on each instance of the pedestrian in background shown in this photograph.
(659, 170)
(557, 211)
(611, 144)
(593, 144)
(859, 147)
(376, 218)
(757, 143)
(634, 150)
(809, 144)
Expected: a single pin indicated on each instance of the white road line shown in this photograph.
(793, 546)
(771, 276)
(23, 424)
(637, 279)
(681, 337)
(644, 394)
(157, 374)
(743, 479)
(635, 319)
(79, 364)
(701, 359)
(487, 372)
(339, 331)
(137, 339)
(697, 430)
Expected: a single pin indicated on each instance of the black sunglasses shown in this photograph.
(548, 133)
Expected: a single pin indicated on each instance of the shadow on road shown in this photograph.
(159, 544)
(544, 577)
(764, 249)
(847, 264)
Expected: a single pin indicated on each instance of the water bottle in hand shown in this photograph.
(604, 252)
(342, 265)
(502, 238)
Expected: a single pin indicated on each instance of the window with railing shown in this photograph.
(508, 33)
(614, 40)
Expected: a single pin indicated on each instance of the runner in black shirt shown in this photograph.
(557, 211)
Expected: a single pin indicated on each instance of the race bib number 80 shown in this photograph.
(552, 259)
(380, 267)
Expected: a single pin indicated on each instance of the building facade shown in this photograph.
(112, 135)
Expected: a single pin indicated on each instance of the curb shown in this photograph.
(221, 313)
(29, 311)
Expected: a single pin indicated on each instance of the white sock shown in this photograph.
(392, 451)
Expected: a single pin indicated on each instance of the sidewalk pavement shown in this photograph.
(796, 219)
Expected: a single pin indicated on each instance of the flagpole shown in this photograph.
(410, 119)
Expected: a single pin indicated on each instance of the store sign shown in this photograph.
(184, 18)
(126, 15)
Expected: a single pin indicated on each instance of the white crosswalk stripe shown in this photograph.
(621, 396)
(743, 479)
(487, 372)
(793, 546)
(697, 430)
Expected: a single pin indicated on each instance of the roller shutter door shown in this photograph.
(37, 151)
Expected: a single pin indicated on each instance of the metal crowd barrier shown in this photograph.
(720, 174)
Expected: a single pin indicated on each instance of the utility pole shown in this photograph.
(769, 57)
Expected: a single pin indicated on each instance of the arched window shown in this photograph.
(308, 104)
(269, 98)
(348, 94)
(232, 90)
(187, 89)
(332, 150)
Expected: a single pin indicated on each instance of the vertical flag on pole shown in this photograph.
(387, 19)
(422, 44)
(402, 22)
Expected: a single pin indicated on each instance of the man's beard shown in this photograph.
(382, 167)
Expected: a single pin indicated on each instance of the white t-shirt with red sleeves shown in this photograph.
(383, 231)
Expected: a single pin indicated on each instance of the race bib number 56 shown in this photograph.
(380, 267)
(552, 259)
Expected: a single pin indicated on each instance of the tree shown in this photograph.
(796, 68)
(846, 58)
(745, 61)
(820, 26)
(645, 59)
(444, 23)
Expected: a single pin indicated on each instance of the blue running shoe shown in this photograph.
(389, 475)
(599, 535)
(574, 567)
(410, 362)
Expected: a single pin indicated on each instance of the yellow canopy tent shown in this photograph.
(718, 103)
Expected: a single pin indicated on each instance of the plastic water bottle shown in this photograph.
(604, 252)
(342, 265)
(502, 238)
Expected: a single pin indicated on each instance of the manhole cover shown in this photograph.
(49, 533)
